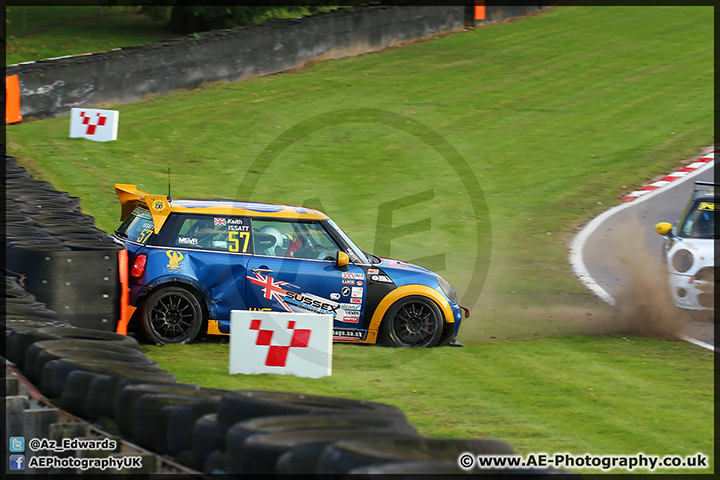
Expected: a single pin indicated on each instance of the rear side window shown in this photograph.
(207, 232)
(137, 227)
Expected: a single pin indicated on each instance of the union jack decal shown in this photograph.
(271, 288)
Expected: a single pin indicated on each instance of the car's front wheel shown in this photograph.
(171, 315)
(413, 321)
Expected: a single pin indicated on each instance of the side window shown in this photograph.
(209, 232)
(293, 239)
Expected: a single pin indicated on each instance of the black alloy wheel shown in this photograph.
(413, 321)
(171, 315)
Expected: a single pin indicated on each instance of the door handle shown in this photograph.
(262, 269)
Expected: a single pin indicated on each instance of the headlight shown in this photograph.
(682, 260)
(447, 289)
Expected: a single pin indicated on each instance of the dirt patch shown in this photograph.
(644, 307)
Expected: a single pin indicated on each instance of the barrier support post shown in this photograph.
(126, 310)
(12, 99)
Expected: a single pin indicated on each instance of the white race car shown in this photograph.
(689, 249)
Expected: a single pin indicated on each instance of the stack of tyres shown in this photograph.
(68, 263)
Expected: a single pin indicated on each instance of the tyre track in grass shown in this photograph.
(617, 256)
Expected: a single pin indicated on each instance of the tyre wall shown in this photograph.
(51, 88)
(65, 262)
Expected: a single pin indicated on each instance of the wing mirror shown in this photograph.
(664, 229)
(342, 261)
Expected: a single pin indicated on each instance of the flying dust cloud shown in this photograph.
(643, 305)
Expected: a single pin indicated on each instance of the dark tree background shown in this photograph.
(185, 18)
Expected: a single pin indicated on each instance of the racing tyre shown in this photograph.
(205, 440)
(343, 456)
(242, 405)
(124, 405)
(413, 321)
(261, 452)
(74, 394)
(182, 420)
(412, 468)
(171, 315)
(147, 414)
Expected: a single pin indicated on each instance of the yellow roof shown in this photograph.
(160, 207)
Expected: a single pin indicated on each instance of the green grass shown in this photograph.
(577, 394)
(35, 32)
(557, 115)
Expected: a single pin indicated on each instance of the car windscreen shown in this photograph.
(359, 255)
(137, 227)
(699, 220)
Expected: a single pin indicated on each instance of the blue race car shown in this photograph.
(192, 261)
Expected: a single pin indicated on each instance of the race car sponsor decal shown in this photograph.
(345, 292)
(187, 241)
(335, 296)
(348, 334)
(292, 301)
(359, 283)
(381, 278)
(221, 222)
(220, 244)
(311, 302)
(354, 276)
(176, 260)
(142, 213)
(352, 313)
(356, 300)
(357, 292)
(348, 281)
(373, 271)
(349, 306)
(158, 205)
(351, 319)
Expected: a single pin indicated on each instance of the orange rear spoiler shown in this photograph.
(130, 197)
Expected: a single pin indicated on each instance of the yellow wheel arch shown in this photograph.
(405, 291)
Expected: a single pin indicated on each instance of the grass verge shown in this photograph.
(36, 32)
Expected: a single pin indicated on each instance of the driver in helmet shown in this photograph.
(275, 233)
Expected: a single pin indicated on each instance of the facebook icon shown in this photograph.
(17, 462)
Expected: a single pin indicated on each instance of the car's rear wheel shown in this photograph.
(413, 321)
(171, 315)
